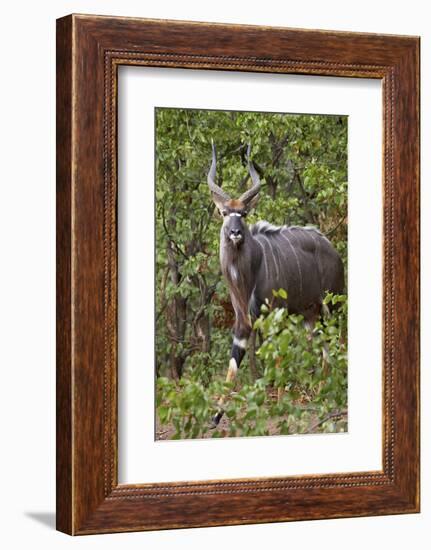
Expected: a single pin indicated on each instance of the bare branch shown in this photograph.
(334, 229)
(334, 414)
(171, 239)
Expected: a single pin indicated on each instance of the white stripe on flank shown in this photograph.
(297, 260)
(264, 256)
(316, 242)
(273, 257)
(240, 343)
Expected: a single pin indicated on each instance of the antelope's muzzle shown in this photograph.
(236, 236)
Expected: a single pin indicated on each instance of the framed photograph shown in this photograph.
(237, 274)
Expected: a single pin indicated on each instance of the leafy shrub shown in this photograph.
(314, 390)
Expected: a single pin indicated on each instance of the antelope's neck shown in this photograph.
(237, 262)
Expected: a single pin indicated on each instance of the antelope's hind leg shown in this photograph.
(237, 354)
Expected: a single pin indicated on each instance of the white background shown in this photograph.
(27, 122)
(141, 458)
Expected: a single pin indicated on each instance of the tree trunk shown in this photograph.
(177, 325)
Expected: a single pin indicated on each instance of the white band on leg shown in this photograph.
(240, 343)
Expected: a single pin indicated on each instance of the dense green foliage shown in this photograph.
(302, 162)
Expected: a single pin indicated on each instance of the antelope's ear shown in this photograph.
(218, 201)
(253, 202)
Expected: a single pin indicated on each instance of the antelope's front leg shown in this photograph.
(236, 356)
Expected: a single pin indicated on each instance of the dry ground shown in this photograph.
(167, 431)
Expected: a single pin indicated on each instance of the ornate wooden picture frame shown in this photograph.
(89, 51)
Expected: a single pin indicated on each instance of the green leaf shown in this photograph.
(282, 293)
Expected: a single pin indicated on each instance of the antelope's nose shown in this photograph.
(235, 232)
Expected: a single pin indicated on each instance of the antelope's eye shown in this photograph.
(224, 212)
(244, 214)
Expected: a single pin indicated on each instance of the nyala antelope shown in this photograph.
(261, 258)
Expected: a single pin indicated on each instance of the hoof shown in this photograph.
(215, 420)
